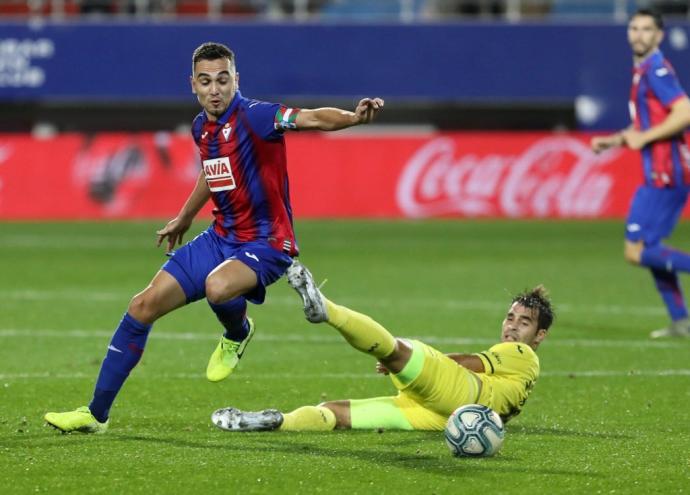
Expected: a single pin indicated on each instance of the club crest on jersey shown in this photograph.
(226, 131)
(219, 174)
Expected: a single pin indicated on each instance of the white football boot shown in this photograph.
(677, 329)
(302, 281)
(231, 419)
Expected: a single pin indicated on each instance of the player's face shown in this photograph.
(214, 82)
(521, 325)
(643, 35)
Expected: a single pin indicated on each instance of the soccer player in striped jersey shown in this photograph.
(660, 114)
(250, 243)
(431, 384)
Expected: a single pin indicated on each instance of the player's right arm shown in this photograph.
(602, 143)
(176, 228)
(667, 89)
(470, 361)
(676, 122)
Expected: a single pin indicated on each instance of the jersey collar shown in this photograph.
(644, 64)
(223, 119)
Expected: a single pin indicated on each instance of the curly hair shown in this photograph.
(537, 298)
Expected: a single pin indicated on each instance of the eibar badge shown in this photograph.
(226, 131)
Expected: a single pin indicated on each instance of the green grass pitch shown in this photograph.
(609, 414)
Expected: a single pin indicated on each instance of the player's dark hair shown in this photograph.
(212, 51)
(537, 298)
(649, 12)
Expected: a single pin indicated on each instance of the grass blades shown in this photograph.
(609, 413)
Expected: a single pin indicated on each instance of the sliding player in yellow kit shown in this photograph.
(431, 384)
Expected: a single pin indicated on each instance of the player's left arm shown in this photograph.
(469, 361)
(334, 119)
(676, 122)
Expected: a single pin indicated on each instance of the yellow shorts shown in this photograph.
(431, 387)
(428, 395)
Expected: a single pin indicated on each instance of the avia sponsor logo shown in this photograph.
(555, 176)
(219, 174)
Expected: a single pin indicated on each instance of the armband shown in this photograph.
(286, 118)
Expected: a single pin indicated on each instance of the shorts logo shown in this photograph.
(634, 227)
(252, 256)
(219, 174)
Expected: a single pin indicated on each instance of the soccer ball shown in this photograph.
(474, 430)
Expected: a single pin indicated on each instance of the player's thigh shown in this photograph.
(441, 385)
(379, 412)
(162, 295)
(230, 279)
(191, 264)
(267, 263)
(418, 415)
(654, 213)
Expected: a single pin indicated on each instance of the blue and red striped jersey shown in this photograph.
(243, 158)
(655, 87)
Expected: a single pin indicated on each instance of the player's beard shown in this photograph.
(216, 110)
(642, 53)
(642, 50)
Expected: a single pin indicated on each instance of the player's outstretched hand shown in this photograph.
(602, 143)
(367, 108)
(380, 368)
(174, 231)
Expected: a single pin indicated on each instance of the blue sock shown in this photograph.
(671, 292)
(233, 316)
(124, 352)
(661, 257)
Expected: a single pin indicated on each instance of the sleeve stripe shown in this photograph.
(489, 361)
(676, 98)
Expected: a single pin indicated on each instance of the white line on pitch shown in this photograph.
(380, 302)
(342, 376)
(333, 338)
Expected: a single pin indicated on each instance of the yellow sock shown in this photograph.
(309, 418)
(361, 331)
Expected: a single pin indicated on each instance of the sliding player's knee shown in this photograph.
(396, 361)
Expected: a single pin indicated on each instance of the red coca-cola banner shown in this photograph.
(519, 175)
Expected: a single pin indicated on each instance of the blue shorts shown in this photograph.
(191, 264)
(654, 213)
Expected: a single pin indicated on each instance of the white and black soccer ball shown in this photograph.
(474, 431)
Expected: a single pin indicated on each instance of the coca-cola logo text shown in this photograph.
(555, 176)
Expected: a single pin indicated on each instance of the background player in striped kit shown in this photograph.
(660, 113)
(248, 246)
